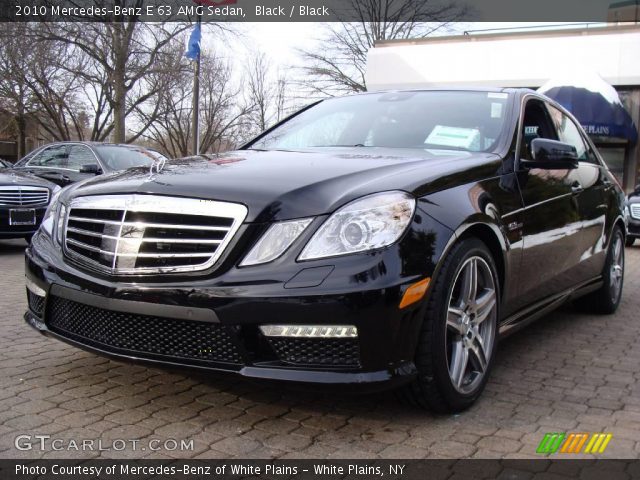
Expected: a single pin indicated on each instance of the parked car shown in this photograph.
(378, 240)
(64, 163)
(633, 216)
(5, 163)
(23, 202)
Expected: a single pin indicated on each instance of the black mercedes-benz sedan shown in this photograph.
(633, 216)
(379, 240)
(23, 201)
(64, 163)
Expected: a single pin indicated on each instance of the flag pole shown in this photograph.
(196, 99)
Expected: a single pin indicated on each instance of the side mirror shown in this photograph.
(91, 168)
(551, 155)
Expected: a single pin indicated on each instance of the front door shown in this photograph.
(50, 164)
(551, 222)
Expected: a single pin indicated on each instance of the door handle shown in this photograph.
(576, 188)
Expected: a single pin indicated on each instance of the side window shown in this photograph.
(80, 155)
(536, 124)
(568, 132)
(55, 157)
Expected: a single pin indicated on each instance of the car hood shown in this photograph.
(279, 185)
(10, 176)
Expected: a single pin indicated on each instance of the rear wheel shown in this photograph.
(607, 298)
(458, 338)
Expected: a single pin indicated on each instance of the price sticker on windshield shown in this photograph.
(453, 137)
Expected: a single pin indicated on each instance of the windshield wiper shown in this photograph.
(338, 146)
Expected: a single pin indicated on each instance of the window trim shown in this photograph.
(67, 145)
(547, 101)
(587, 146)
(520, 129)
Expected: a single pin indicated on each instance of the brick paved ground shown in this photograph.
(567, 372)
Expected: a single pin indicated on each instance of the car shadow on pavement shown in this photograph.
(11, 247)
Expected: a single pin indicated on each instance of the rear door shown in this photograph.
(551, 221)
(593, 186)
(80, 156)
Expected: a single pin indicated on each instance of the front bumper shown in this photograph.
(19, 231)
(633, 228)
(216, 323)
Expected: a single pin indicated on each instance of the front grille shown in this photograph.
(22, 196)
(142, 335)
(635, 210)
(336, 352)
(36, 302)
(125, 234)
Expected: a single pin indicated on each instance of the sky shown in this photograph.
(279, 40)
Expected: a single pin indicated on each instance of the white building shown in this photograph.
(522, 59)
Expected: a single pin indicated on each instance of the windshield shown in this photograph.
(450, 120)
(118, 157)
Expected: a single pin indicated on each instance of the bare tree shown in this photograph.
(16, 101)
(56, 90)
(221, 111)
(124, 63)
(266, 92)
(338, 64)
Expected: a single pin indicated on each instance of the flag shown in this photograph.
(193, 46)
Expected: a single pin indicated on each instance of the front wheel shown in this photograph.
(458, 337)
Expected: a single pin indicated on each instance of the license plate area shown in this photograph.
(22, 217)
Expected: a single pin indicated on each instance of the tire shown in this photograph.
(629, 241)
(448, 329)
(606, 299)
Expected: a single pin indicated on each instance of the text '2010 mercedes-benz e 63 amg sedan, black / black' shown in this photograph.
(379, 240)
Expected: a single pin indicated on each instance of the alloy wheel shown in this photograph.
(617, 269)
(471, 320)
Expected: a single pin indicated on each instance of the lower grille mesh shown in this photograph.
(36, 302)
(142, 334)
(337, 352)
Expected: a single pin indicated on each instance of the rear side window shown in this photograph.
(79, 155)
(54, 157)
(568, 132)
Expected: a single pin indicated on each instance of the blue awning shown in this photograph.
(595, 104)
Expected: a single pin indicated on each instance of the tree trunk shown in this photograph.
(119, 104)
(21, 126)
(119, 109)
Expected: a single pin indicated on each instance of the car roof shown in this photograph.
(444, 88)
(91, 143)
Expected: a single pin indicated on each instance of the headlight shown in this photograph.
(50, 214)
(53, 219)
(371, 222)
(275, 241)
(59, 223)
